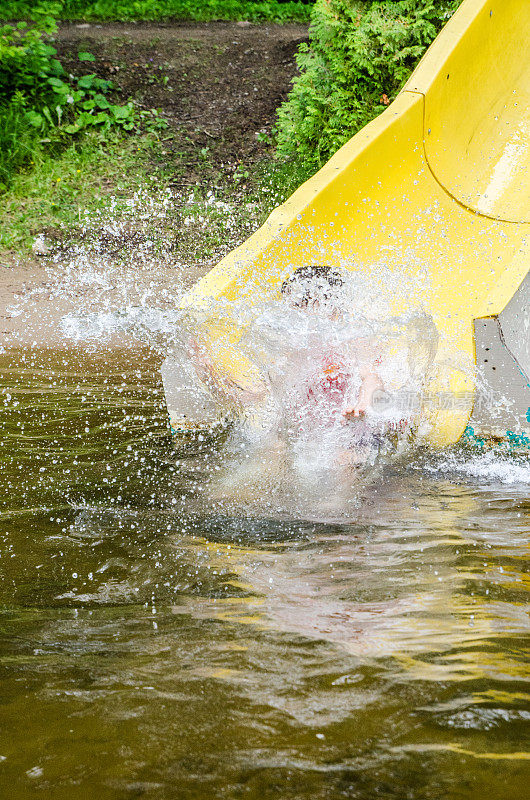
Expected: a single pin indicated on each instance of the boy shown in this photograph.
(316, 388)
(317, 289)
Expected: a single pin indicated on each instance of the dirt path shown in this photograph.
(218, 85)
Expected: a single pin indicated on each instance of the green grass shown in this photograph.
(17, 143)
(53, 192)
(201, 10)
(96, 177)
(69, 193)
(50, 181)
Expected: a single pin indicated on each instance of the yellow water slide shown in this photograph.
(438, 182)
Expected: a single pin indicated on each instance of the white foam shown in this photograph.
(493, 466)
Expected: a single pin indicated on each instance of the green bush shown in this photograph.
(360, 54)
(252, 10)
(40, 106)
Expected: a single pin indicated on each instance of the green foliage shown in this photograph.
(361, 53)
(40, 106)
(252, 10)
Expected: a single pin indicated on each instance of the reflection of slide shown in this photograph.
(439, 180)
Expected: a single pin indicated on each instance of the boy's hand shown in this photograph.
(370, 383)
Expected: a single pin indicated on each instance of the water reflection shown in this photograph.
(156, 644)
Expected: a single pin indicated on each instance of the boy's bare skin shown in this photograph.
(370, 380)
(349, 460)
(247, 396)
(370, 383)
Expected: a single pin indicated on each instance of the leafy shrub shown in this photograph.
(40, 105)
(252, 10)
(360, 54)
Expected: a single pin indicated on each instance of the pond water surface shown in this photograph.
(155, 645)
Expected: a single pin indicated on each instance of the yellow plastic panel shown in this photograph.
(476, 80)
(377, 199)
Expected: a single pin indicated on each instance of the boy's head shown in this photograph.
(313, 287)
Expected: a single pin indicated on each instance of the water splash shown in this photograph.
(130, 256)
(295, 440)
(494, 467)
(122, 282)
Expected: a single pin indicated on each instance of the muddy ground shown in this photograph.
(218, 86)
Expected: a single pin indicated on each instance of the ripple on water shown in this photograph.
(152, 638)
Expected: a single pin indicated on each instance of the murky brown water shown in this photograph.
(155, 646)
